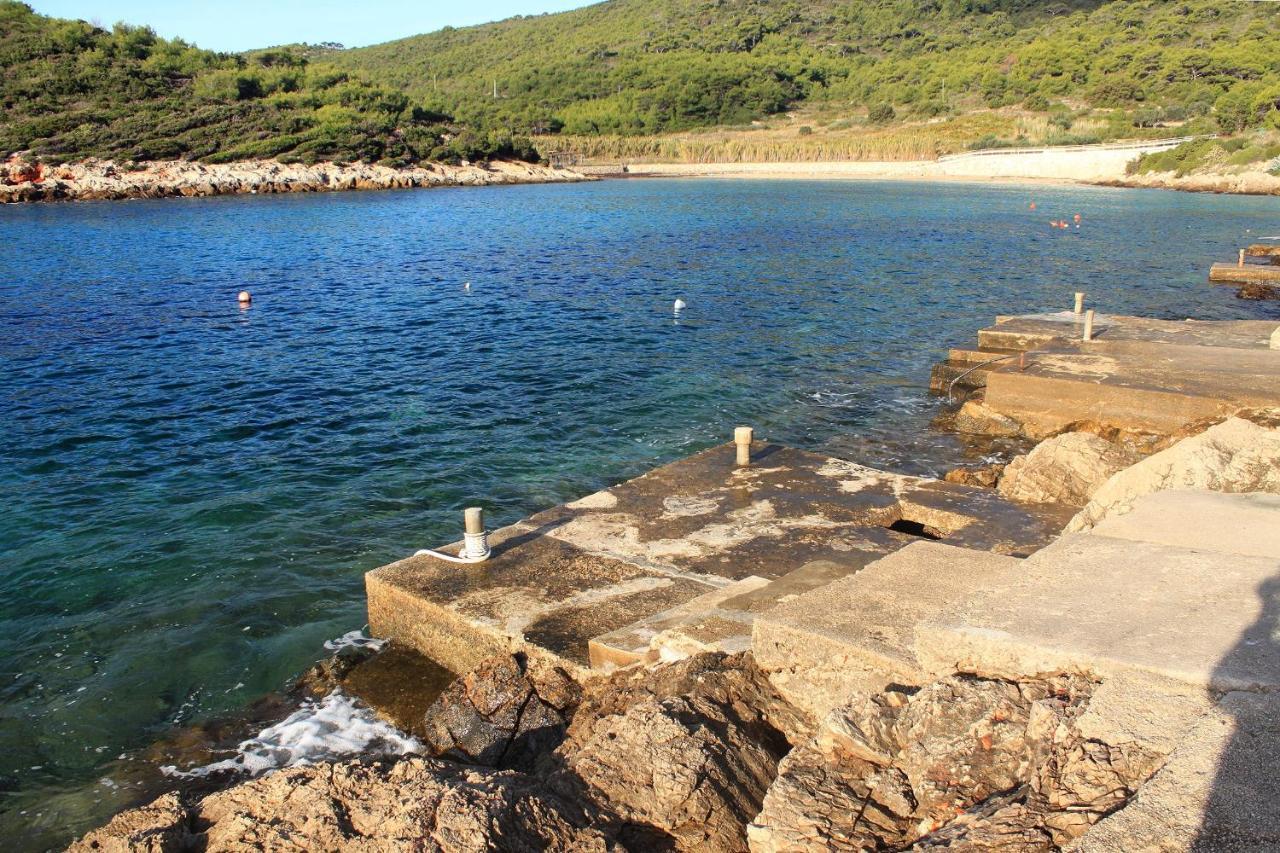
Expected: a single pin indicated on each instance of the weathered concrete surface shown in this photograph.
(1246, 524)
(1139, 374)
(1032, 332)
(857, 634)
(536, 593)
(1238, 273)
(1103, 606)
(609, 579)
(1233, 456)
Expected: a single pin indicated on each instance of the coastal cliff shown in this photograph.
(22, 180)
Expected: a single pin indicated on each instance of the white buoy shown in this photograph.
(467, 286)
(678, 306)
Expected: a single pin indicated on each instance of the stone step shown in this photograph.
(700, 624)
(857, 632)
(1110, 606)
(1245, 524)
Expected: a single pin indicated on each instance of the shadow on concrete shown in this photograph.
(536, 533)
(1243, 808)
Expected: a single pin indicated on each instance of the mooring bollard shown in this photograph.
(1079, 301)
(742, 438)
(475, 539)
(1088, 325)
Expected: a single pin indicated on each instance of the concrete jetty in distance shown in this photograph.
(1040, 375)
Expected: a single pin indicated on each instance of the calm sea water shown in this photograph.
(191, 492)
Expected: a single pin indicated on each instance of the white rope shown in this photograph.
(475, 549)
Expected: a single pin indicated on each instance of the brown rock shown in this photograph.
(886, 770)
(676, 773)
(1065, 469)
(506, 713)
(976, 418)
(162, 826)
(414, 804)
(734, 682)
(1237, 455)
(1258, 291)
(982, 476)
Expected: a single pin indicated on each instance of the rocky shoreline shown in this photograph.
(1236, 182)
(25, 181)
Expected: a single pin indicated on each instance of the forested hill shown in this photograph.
(648, 66)
(70, 90)
(628, 69)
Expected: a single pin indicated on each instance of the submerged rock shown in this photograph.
(1066, 469)
(1236, 455)
(1257, 291)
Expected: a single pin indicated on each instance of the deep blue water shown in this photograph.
(191, 492)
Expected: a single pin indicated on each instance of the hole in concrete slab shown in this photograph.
(915, 528)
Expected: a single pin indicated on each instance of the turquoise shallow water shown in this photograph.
(191, 492)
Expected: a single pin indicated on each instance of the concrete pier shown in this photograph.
(1244, 274)
(1137, 374)
(683, 558)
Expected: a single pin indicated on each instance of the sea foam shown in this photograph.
(337, 726)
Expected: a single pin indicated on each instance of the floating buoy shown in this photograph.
(467, 286)
(1033, 205)
(244, 298)
(678, 306)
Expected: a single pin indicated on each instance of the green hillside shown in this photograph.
(651, 66)
(70, 91)
(614, 76)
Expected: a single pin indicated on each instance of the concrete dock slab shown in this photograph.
(1246, 524)
(1102, 606)
(1153, 376)
(597, 580)
(857, 634)
(1243, 274)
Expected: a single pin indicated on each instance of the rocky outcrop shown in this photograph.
(677, 773)
(699, 755)
(964, 763)
(507, 713)
(982, 476)
(1236, 455)
(162, 826)
(1219, 179)
(734, 682)
(413, 804)
(1257, 291)
(977, 418)
(1065, 469)
(24, 181)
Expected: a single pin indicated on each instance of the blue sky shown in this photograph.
(244, 24)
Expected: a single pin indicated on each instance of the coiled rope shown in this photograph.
(475, 549)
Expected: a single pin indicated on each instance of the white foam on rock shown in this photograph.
(354, 639)
(337, 726)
